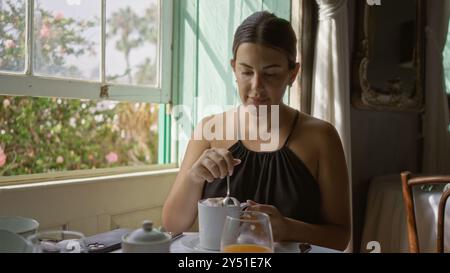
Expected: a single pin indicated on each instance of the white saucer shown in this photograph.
(286, 247)
(192, 242)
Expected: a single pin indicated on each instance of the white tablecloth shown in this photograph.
(182, 245)
(385, 219)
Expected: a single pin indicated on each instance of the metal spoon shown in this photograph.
(229, 201)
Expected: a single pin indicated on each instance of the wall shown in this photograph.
(92, 206)
(382, 143)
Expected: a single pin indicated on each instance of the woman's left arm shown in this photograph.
(334, 186)
(334, 232)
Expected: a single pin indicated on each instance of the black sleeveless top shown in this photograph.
(278, 178)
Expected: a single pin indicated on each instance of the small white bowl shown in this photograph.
(11, 242)
(19, 225)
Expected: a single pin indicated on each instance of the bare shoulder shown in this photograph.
(216, 121)
(209, 123)
(319, 131)
(321, 146)
(196, 145)
(214, 129)
(199, 139)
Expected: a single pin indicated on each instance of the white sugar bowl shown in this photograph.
(19, 225)
(146, 240)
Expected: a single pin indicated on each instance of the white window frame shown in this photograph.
(19, 84)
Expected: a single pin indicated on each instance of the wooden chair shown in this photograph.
(407, 184)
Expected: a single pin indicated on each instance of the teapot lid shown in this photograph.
(147, 234)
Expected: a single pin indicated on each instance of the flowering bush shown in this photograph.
(39, 135)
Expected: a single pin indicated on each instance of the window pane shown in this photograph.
(74, 134)
(67, 38)
(12, 35)
(132, 42)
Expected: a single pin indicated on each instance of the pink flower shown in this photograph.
(59, 15)
(112, 157)
(154, 128)
(2, 157)
(10, 44)
(59, 159)
(6, 103)
(45, 31)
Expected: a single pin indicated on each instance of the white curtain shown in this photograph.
(436, 148)
(331, 72)
(331, 78)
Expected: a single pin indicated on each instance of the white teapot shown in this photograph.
(146, 240)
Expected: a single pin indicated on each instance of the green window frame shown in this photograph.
(28, 84)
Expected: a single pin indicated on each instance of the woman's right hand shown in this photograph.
(213, 163)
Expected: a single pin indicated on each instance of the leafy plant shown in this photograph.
(39, 135)
(133, 31)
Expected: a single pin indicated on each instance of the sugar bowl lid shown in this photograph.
(147, 235)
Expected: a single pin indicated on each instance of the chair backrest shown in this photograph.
(408, 182)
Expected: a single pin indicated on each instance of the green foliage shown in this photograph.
(12, 36)
(132, 32)
(39, 135)
(57, 38)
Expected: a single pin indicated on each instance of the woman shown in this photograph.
(302, 184)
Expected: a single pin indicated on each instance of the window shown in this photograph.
(45, 135)
(86, 49)
(84, 84)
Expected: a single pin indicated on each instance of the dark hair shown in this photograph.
(267, 29)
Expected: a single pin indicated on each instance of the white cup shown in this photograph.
(210, 223)
(19, 225)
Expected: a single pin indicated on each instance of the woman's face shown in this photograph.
(262, 74)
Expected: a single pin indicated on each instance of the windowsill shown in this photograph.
(23, 182)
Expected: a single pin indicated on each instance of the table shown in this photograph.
(385, 220)
(182, 245)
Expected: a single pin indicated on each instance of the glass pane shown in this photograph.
(67, 38)
(132, 42)
(75, 134)
(12, 35)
